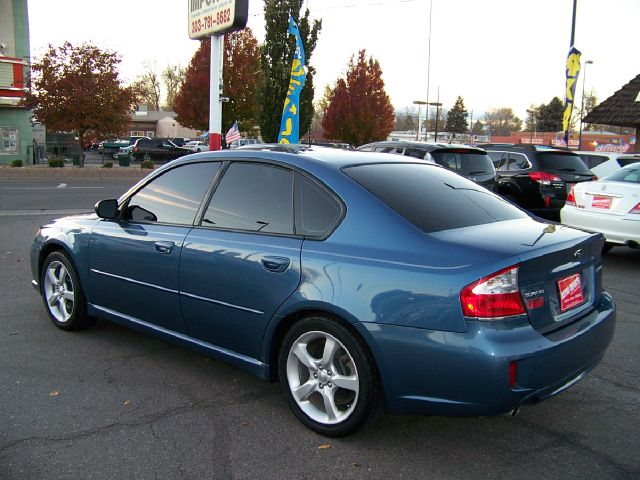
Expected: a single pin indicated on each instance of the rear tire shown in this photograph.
(62, 293)
(328, 377)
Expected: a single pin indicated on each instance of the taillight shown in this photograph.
(635, 209)
(594, 178)
(571, 198)
(494, 296)
(135, 149)
(543, 178)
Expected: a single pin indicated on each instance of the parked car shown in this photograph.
(196, 146)
(161, 149)
(605, 163)
(610, 206)
(472, 163)
(244, 141)
(111, 147)
(351, 277)
(537, 178)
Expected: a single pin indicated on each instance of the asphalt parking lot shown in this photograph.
(111, 403)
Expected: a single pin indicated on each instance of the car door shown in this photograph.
(243, 260)
(134, 259)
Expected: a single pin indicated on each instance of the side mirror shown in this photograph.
(107, 209)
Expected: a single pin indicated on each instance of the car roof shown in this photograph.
(302, 156)
(427, 146)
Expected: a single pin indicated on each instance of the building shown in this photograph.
(158, 124)
(16, 134)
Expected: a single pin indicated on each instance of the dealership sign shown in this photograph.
(209, 17)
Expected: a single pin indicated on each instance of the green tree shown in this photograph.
(148, 87)
(478, 128)
(276, 56)
(407, 120)
(172, 76)
(457, 119)
(77, 89)
(319, 108)
(530, 121)
(502, 121)
(359, 110)
(549, 116)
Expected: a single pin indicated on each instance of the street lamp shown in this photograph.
(437, 105)
(584, 77)
(419, 103)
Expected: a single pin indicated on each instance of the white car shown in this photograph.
(196, 146)
(605, 163)
(610, 206)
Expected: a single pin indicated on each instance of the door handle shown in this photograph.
(275, 264)
(164, 247)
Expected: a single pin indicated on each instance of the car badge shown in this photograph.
(578, 253)
(604, 187)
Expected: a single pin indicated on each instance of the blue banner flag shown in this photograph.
(290, 123)
(573, 70)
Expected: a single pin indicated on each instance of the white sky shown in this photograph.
(493, 53)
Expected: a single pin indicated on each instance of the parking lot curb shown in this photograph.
(87, 172)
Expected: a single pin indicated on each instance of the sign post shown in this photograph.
(214, 18)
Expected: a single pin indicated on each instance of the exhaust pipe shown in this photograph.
(513, 413)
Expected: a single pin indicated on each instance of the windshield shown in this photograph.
(562, 162)
(468, 163)
(433, 198)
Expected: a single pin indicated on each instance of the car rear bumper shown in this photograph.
(615, 228)
(449, 373)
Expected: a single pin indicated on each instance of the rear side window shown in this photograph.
(317, 212)
(397, 150)
(253, 197)
(415, 153)
(623, 162)
(562, 162)
(431, 198)
(593, 160)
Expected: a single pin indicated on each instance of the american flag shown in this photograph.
(232, 134)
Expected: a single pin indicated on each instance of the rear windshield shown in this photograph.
(467, 163)
(432, 198)
(562, 162)
(627, 174)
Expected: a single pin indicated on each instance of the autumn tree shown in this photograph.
(457, 118)
(172, 77)
(359, 110)
(276, 56)
(319, 107)
(148, 87)
(192, 100)
(502, 121)
(77, 89)
(241, 79)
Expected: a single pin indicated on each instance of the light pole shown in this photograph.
(437, 105)
(419, 103)
(584, 78)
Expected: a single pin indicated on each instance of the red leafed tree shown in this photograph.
(77, 89)
(359, 109)
(241, 77)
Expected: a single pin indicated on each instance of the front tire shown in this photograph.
(62, 293)
(327, 376)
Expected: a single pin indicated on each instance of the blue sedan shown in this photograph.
(352, 278)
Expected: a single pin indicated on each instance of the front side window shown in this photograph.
(627, 174)
(498, 159)
(173, 197)
(253, 197)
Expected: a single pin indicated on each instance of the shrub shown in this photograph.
(56, 162)
(107, 165)
(16, 163)
(146, 164)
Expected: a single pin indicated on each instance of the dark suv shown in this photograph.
(537, 178)
(472, 163)
(161, 149)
